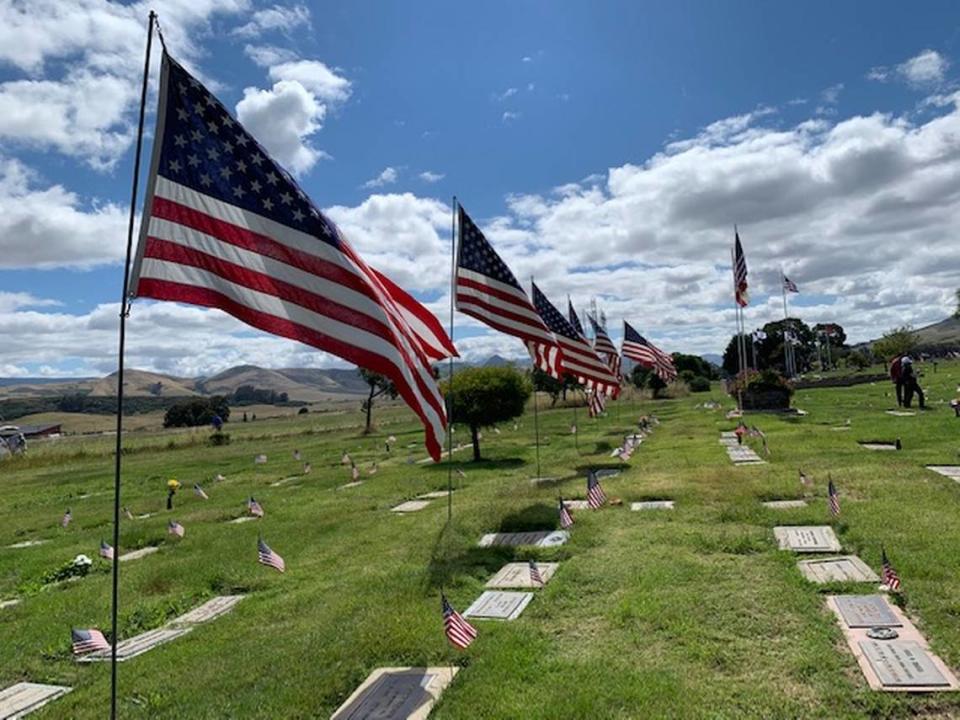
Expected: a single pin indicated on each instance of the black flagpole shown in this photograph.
(536, 409)
(124, 311)
(576, 430)
(453, 290)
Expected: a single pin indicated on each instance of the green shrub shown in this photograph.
(699, 384)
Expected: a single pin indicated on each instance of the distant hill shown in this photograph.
(943, 335)
(713, 358)
(140, 383)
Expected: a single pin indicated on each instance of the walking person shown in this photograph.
(896, 375)
(910, 384)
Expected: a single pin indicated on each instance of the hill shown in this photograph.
(140, 383)
(943, 333)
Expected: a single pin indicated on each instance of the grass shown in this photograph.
(688, 613)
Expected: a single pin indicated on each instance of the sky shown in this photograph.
(607, 148)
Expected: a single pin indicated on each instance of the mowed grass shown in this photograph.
(685, 614)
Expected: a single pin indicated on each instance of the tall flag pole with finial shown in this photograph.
(741, 298)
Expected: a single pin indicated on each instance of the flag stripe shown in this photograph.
(433, 340)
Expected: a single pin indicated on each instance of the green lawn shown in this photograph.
(690, 613)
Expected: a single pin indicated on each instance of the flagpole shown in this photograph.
(576, 439)
(453, 289)
(739, 318)
(124, 311)
(788, 366)
(536, 409)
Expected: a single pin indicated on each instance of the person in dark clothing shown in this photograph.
(896, 375)
(910, 383)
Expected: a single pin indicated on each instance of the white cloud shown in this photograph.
(526, 59)
(505, 95)
(316, 77)
(10, 301)
(388, 176)
(925, 70)
(267, 55)
(509, 116)
(431, 177)
(278, 18)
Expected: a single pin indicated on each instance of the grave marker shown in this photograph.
(900, 413)
(410, 506)
(210, 610)
(949, 471)
(393, 693)
(23, 698)
(848, 568)
(434, 495)
(9, 603)
(517, 575)
(26, 544)
(139, 644)
(866, 611)
(577, 504)
(242, 519)
(806, 538)
(902, 664)
(350, 485)
(137, 554)
(785, 504)
(652, 505)
(498, 605)
(539, 538)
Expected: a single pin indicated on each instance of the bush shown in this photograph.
(486, 396)
(699, 384)
(767, 380)
(858, 360)
(302, 411)
(219, 438)
(196, 412)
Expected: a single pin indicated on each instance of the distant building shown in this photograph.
(30, 432)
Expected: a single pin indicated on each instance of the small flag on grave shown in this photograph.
(833, 498)
(198, 491)
(175, 528)
(345, 460)
(106, 551)
(373, 469)
(535, 577)
(595, 495)
(461, 473)
(266, 556)
(254, 507)
(67, 517)
(296, 455)
(890, 577)
(307, 467)
(459, 632)
(804, 480)
(355, 472)
(128, 514)
(566, 519)
(85, 641)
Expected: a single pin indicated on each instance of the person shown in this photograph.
(896, 375)
(910, 384)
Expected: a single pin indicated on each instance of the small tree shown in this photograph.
(485, 396)
(858, 360)
(379, 385)
(897, 342)
(642, 377)
(196, 412)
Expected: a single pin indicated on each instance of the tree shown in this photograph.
(196, 412)
(836, 333)
(485, 396)
(379, 385)
(542, 382)
(695, 365)
(899, 341)
(643, 377)
(858, 360)
(769, 351)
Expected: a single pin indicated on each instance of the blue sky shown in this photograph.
(609, 147)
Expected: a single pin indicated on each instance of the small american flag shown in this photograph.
(307, 467)
(266, 556)
(566, 519)
(487, 290)
(106, 551)
(833, 499)
(296, 455)
(198, 491)
(595, 495)
(355, 472)
(789, 285)
(804, 480)
(254, 507)
(85, 641)
(128, 514)
(740, 293)
(67, 517)
(345, 459)
(890, 577)
(459, 632)
(535, 577)
(596, 404)
(373, 469)
(175, 528)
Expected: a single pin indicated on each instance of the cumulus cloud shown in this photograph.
(279, 18)
(431, 177)
(267, 55)
(509, 116)
(927, 69)
(387, 176)
(316, 77)
(505, 95)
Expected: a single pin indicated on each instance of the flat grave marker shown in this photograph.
(498, 605)
(434, 495)
(866, 611)
(948, 471)
(397, 693)
(900, 413)
(544, 481)
(848, 568)
(137, 554)
(902, 664)
(410, 506)
(517, 575)
(242, 519)
(538, 538)
(350, 485)
(653, 505)
(603, 473)
(139, 644)
(878, 445)
(9, 603)
(577, 504)
(806, 538)
(210, 610)
(285, 480)
(23, 698)
(784, 504)
(26, 544)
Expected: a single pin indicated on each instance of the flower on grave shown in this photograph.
(173, 484)
(82, 561)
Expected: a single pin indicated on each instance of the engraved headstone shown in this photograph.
(785, 504)
(137, 554)
(210, 610)
(410, 506)
(950, 471)
(900, 663)
(132, 647)
(397, 694)
(848, 568)
(653, 505)
(23, 698)
(864, 611)
(806, 538)
(517, 575)
(498, 605)
(540, 538)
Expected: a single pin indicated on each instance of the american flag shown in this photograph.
(254, 507)
(535, 577)
(345, 459)
(833, 500)
(595, 495)
(266, 556)
(740, 293)
(354, 472)
(373, 468)
(296, 455)
(804, 480)
(198, 491)
(596, 403)
(459, 632)
(566, 519)
(487, 290)
(890, 577)
(175, 528)
(128, 514)
(605, 347)
(789, 285)
(85, 641)
(106, 551)
(226, 227)
(575, 319)
(639, 349)
(307, 467)
(579, 359)
(67, 517)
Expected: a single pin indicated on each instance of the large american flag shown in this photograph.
(789, 285)
(487, 290)
(740, 293)
(566, 517)
(579, 359)
(596, 498)
(605, 347)
(266, 556)
(639, 349)
(890, 577)
(459, 632)
(226, 227)
(85, 641)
